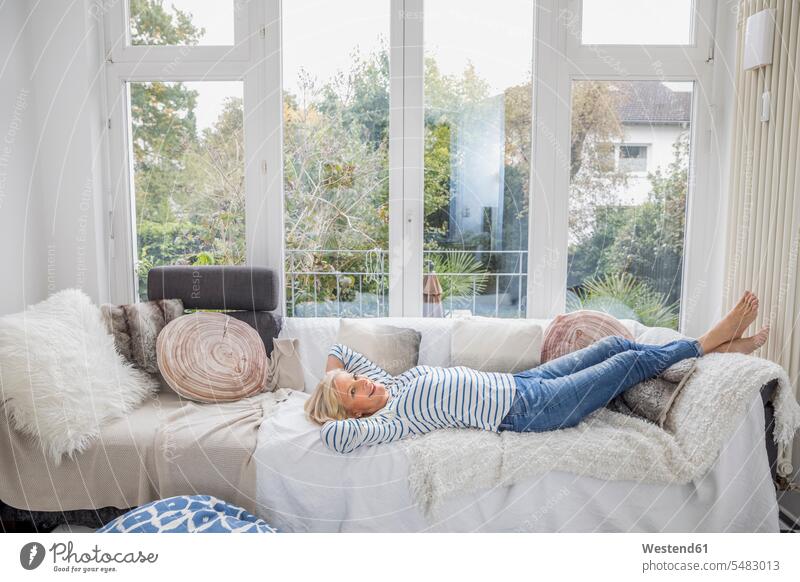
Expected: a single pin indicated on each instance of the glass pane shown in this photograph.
(336, 157)
(181, 22)
(665, 22)
(188, 174)
(477, 157)
(626, 221)
(632, 158)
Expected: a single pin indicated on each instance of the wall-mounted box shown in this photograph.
(758, 38)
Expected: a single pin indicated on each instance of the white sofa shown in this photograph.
(301, 486)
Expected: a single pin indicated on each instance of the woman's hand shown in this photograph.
(334, 363)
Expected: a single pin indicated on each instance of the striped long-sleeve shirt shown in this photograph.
(421, 399)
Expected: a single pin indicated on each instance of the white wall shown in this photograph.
(24, 263)
(68, 84)
(51, 132)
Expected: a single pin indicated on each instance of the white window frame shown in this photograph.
(249, 62)
(121, 50)
(558, 58)
(406, 158)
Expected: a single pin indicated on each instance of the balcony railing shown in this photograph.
(318, 283)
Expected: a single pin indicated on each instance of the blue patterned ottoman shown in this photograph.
(187, 514)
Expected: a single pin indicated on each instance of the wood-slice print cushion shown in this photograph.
(212, 357)
(574, 331)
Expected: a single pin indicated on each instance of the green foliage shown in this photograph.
(360, 96)
(654, 242)
(336, 163)
(203, 259)
(460, 274)
(151, 24)
(170, 243)
(646, 240)
(190, 185)
(437, 182)
(624, 296)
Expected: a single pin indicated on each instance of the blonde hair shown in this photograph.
(324, 404)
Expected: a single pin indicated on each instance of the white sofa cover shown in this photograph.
(302, 486)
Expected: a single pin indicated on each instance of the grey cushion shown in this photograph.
(653, 398)
(395, 349)
(676, 372)
(268, 325)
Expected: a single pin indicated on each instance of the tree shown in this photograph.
(594, 181)
(215, 169)
(189, 187)
(644, 243)
(151, 24)
(164, 127)
(650, 243)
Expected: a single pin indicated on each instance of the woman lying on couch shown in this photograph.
(358, 403)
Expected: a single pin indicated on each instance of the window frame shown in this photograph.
(557, 58)
(121, 50)
(247, 62)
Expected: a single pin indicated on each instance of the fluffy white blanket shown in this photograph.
(61, 378)
(608, 445)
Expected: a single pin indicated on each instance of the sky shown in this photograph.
(320, 35)
(656, 21)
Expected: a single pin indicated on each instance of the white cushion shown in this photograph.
(496, 345)
(62, 377)
(658, 336)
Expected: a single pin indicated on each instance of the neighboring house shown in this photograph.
(653, 116)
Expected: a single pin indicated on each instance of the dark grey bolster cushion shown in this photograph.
(268, 325)
(246, 293)
(215, 287)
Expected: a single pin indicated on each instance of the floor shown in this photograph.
(72, 529)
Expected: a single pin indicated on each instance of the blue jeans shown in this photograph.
(562, 392)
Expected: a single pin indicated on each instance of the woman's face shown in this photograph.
(360, 395)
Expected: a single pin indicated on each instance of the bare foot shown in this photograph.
(745, 345)
(733, 324)
(747, 310)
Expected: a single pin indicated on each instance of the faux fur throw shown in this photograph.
(61, 379)
(608, 445)
(135, 328)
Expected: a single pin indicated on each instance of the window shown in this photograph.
(336, 157)
(477, 98)
(188, 174)
(626, 231)
(637, 22)
(178, 78)
(181, 22)
(410, 158)
(632, 158)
